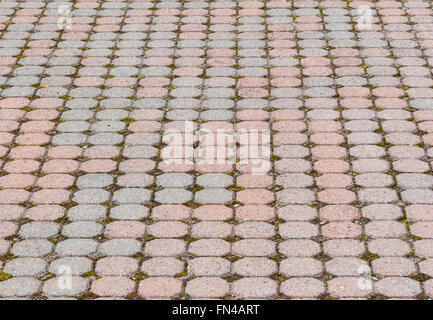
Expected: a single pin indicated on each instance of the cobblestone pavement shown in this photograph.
(91, 208)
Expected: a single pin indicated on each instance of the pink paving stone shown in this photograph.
(419, 212)
(152, 92)
(339, 213)
(6, 138)
(45, 212)
(172, 212)
(56, 181)
(324, 126)
(4, 246)
(254, 213)
(347, 287)
(34, 139)
(286, 82)
(213, 212)
(255, 196)
(252, 82)
(116, 266)
(393, 266)
(329, 152)
(422, 229)
(254, 287)
(302, 287)
(253, 181)
(207, 287)
(331, 166)
(168, 166)
(42, 114)
(120, 82)
(125, 229)
(327, 138)
(50, 196)
(11, 114)
(21, 166)
(100, 165)
(46, 103)
(335, 230)
(145, 126)
(218, 168)
(112, 286)
(3, 151)
(10, 103)
(60, 166)
(7, 125)
(37, 126)
(154, 82)
(11, 212)
(160, 287)
(334, 181)
(336, 196)
(167, 229)
(289, 126)
(359, 92)
(88, 82)
(390, 103)
(37, 52)
(388, 92)
(7, 229)
(64, 152)
(356, 103)
(252, 115)
(19, 181)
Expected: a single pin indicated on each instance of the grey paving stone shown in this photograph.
(87, 212)
(175, 180)
(22, 267)
(38, 229)
(76, 265)
(19, 287)
(94, 180)
(129, 212)
(91, 196)
(120, 247)
(32, 248)
(173, 195)
(214, 195)
(76, 247)
(215, 180)
(82, 229)
(131, 195)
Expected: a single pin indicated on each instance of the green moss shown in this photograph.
(181, 274)
(89, 274)
(4, 276)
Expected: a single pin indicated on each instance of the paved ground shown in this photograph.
(96, 201)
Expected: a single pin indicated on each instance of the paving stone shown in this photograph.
(211, 196)
(173, 195)
(131, 195)
(19, 286)
(174, 180)
(76, 266)
(346, 120)
(25, 267)
(94, 180)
